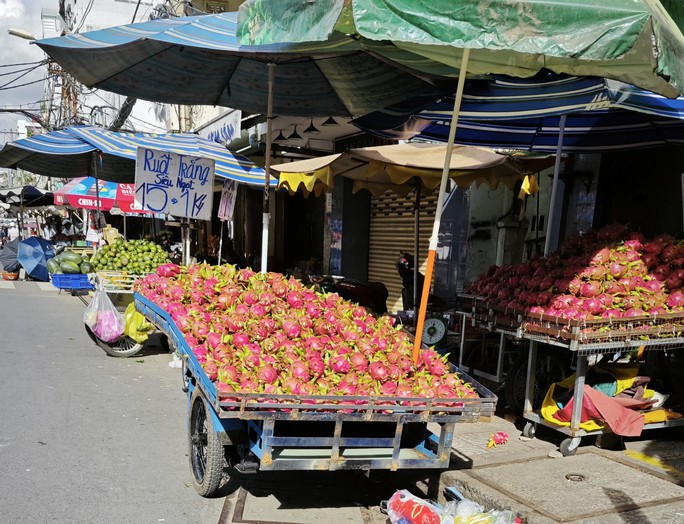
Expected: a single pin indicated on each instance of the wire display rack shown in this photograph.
(585, 338)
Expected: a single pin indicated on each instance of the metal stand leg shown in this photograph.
(531, 378)
(578, 394)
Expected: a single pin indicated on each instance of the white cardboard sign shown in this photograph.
(180, 185)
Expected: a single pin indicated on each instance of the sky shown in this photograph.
(26, 15)
(21, 14)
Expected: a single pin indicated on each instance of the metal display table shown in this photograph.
(585, 338)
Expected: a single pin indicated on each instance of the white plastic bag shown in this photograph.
(103, 319)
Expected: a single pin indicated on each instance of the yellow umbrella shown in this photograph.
(405, 167)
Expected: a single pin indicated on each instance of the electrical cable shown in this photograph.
(5, 88)
(39, 62)
(86, 12)
(20, 70)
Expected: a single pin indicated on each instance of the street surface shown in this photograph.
(86, 438)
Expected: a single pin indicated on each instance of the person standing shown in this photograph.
(12, 233)
(67, 228)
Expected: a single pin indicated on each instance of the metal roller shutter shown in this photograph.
(392, 233)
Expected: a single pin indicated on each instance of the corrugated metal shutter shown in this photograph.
(392, 233)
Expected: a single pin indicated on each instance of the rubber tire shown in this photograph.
(530, 430)
(566, 447)
(205, 450)
(473, 359)
(90, 333)
(516, 379)
(185, 376)
(124, 346)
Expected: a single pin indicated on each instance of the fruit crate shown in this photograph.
(117, 281)
(68, 281)
(586, 336)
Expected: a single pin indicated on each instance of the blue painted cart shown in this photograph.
(268, 432)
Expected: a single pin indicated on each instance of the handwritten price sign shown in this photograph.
(180, 185)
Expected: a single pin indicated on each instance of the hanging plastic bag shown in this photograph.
(103, 319)
(136, 325)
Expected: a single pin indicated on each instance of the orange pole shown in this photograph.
(423, 304)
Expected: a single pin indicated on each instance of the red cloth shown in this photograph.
(602, 408)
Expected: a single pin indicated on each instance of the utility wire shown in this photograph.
(4, 88)
(28, 69)
(86, 12)
(40, 62)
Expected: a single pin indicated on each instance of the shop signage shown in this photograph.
(227, 204)
(180, 185)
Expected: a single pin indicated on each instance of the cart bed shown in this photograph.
(288, 432)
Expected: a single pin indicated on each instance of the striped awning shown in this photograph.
(77, 150)
(515, 113)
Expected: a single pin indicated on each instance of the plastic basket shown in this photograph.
(65, 281)
(118, 281)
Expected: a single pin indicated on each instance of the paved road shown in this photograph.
(85, 437)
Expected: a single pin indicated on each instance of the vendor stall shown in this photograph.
(609, 296)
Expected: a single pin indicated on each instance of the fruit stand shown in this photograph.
(584, 338)
(609, 295)
(260, 419)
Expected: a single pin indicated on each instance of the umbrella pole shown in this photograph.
(440, 204)
(554, 186)
(267, 168)
(220, 249)
(416, 248)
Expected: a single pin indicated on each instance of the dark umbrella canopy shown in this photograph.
(8, 256)
(27, 196)
(198, 60)
(33, 254)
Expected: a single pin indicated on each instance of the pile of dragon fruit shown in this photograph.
(265, 332)
(608, 273)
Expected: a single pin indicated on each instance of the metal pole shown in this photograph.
(220, 249)
(440, 204)
(416, 248)
(554, 186)
(267, 168)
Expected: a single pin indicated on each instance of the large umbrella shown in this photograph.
(8, 256)
(634, 41)
(33, 254)
(198, 60)
(524, 113)
(25, 197)
(83, 193)
(68, 153)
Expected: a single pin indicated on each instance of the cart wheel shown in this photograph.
(530, 430)
(483, 357)
(551, 367)
(569, 446)
(184, 376)
(124, 346)
(90, 333)
(206, 450)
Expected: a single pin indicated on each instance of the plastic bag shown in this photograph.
(405, 508)
(103, 319)
(136, 325)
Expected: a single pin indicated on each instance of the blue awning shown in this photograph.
(68, 153)
(505, 112)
